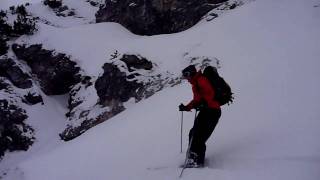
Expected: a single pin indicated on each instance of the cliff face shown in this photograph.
(155, 16)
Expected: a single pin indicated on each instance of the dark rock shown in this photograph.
(72, 132)
(14, 133)
(74, 101)
(10, 70)
(56, 72)
(33, 98)
(63, 8)
(5, 28)
(113, 85)
(155, 16)
(3, 85)
(86, 80)
(64, 11)
(24, 23)
(93, 3)
(53, 3)
(113, 88)
(233, 6)
(71, 13)
(3, 45)
(21, 10)
(136, 62)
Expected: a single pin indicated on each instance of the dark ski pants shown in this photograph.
(202, 129)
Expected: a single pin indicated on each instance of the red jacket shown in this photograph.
(202, 92)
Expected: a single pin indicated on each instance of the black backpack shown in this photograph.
(223, 93)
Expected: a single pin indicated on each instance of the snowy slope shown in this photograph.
(269, 52)
(47, 120)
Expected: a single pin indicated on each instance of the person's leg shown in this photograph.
(202, 130)
(193, 138)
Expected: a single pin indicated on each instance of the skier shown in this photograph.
(207, 119)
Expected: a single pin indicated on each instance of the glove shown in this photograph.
(183, 108)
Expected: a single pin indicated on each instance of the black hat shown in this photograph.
(189, 71)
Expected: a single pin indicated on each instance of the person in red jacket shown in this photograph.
(207, 118)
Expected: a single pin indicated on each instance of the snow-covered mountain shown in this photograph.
(267, 50)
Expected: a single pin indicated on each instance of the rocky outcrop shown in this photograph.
(128, 77)
(134, 62)
(3, 85)
(82, 102)
(114, 86)
(55, 71)
(9, 69)
(4, 31)
(53, 3)
(23, 22)
(59, 9)
(3, 45)
(155, 16)
(14, 133)
(32, 98)
(16, 87)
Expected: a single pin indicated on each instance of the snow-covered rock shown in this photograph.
(55, 71)
(9, 69)
(15, 134)
(156, 16)
(127, 78)
(53, 3)
(3, 45)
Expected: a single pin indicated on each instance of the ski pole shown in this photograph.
(181, 129)
(188, 150)
(187, 155)
(195, 115)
